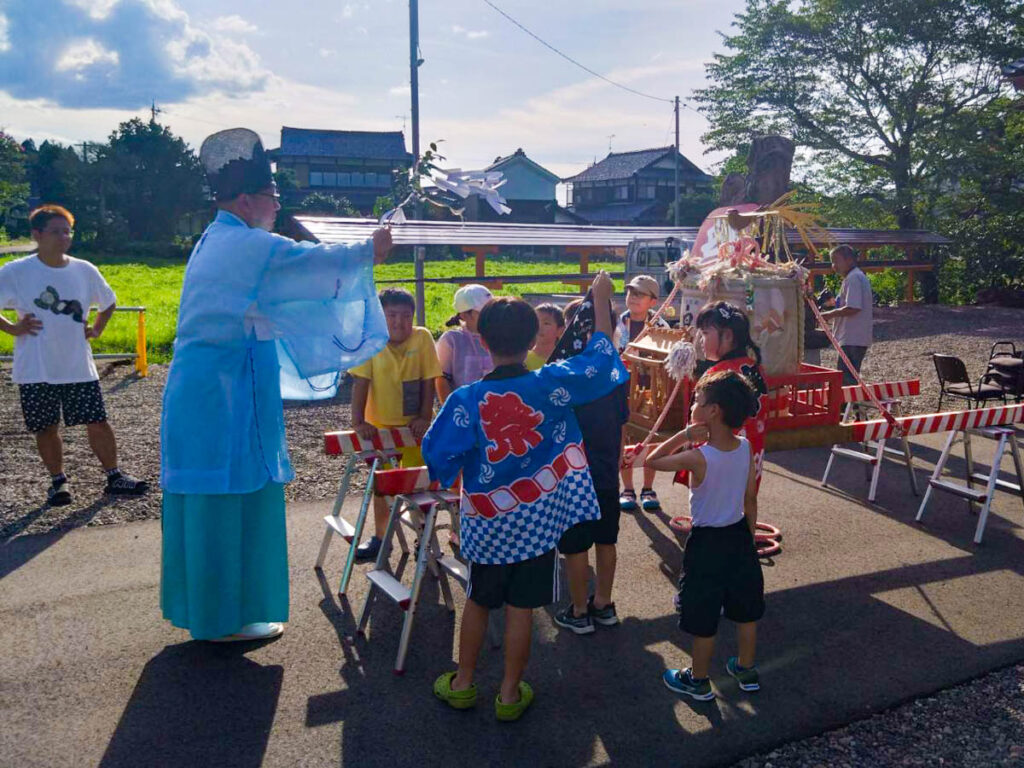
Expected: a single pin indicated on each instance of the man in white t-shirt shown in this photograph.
(53, 365)
(852, 318)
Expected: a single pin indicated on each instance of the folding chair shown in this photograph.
(954, 381)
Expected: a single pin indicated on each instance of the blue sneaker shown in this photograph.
(649, 500)
(746, 677)
(682, 681)
(627, 500)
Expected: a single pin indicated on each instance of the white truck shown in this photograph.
(649, 256)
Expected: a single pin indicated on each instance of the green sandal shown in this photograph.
(455, 699)
(510, 712)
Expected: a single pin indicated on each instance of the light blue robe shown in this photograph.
(257, 311)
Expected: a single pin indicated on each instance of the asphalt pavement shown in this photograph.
(866, 609)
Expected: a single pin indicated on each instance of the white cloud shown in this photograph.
(5, 40)
(234, 24)
(97, 9)
(83, 54)
(326, 52)
(400, 90)
(145, 48)
(470, 34)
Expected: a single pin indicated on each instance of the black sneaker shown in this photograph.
(581, 625)
(126, 485)
(59, 494)
(368, 550)
(604, 616)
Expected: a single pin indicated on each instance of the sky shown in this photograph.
(71, 70)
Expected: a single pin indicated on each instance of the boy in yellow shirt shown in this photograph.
(395, 389)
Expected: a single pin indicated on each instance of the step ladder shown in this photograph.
(872, 454)
(417, 511)
(1006, 438)
(336, 525)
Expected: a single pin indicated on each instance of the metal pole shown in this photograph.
(414, 88)
(676, 206)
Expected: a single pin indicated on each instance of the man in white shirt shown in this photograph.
(53, 365)
(852, 318)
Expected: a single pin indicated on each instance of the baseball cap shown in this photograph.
(467, 298)
(645, 284)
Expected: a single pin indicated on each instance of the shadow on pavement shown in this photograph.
(15, 552)
(198, 704)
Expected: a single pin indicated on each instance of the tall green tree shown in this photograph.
(150, 178)
(14, 187)
(870, 86)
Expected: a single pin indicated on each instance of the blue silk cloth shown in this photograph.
(259, 314)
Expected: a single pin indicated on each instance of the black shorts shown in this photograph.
(583, 536)
(42, 404)
(720, 570)
(531, 583)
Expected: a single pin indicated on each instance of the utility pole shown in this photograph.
(419, 254)
(676, 203)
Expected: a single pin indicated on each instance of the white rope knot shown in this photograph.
(681, 361)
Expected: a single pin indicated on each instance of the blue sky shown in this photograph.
(72, 69)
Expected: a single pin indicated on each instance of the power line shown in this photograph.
(571, 60)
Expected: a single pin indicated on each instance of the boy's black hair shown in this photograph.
(552, 311)
(508, 325)
(731, 392)
(391, 297)
(724, 316)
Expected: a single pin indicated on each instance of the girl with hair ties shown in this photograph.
(728, 346)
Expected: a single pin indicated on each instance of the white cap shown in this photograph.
(470, 297)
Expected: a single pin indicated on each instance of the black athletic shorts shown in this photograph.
(42, 404)
(720, 570)
(583, 536)
(531, 583)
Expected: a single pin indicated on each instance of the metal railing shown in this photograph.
(139, 355)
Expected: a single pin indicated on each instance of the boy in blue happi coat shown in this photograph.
(525, 481)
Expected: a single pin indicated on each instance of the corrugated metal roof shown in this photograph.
(622, 165)
(376, 145)
(338, 230)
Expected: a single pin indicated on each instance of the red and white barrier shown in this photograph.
(886, 390)
(347, 441)
(403, 481)
(864, 431)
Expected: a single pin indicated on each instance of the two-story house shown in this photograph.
(529, 190)
(633, 188)
(357, 165)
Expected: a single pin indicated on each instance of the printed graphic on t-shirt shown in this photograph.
(50, 299)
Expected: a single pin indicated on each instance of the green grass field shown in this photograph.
(156, 285)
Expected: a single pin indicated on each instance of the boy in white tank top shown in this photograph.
(721, 572)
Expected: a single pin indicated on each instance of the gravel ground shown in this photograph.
(905, 338)
(975, 725)
(133, 406)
